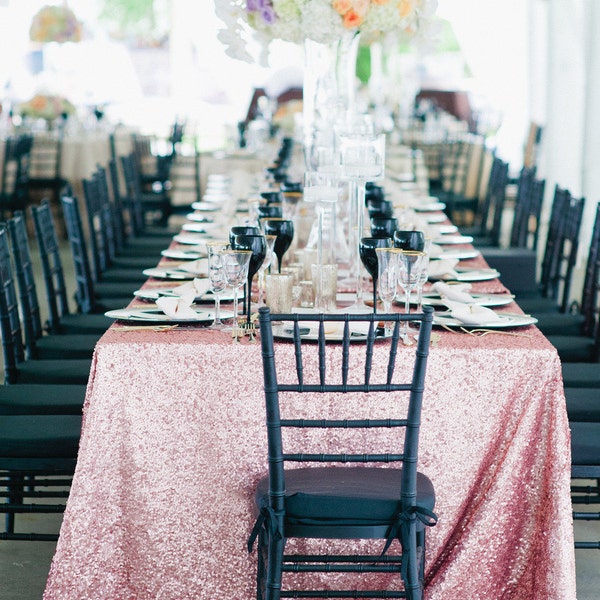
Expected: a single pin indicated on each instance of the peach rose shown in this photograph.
(352, 19)
(380, 2)
(405, 7)
(361, 8)
(342, 6)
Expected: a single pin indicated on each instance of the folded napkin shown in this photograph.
(197, 287)
(197, 267)
(472, 314)
(178, 307)
(435, 251)
(442, 269)
(456, 292)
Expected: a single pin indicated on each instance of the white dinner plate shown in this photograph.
(285, 332)
(194, 227)
(457, 254)
(208, 297)
(466, 274)
(429, 207)
(204, 206)
(183, 254)
(436, 218)
(446, 229)
(453, 239)
(505, 321)
(198, 218)
(190, 239)
(155, 315)
(176, 274)
(489, 300)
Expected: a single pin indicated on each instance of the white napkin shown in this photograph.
(443, 268)
(455, 292)
(197, 267)
(198, 287)
(472, 314)
(435, 251)
(178, 307)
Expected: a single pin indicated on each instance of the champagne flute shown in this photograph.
(424, 273)
(387, 280)
(410, 265)
(283, 229)
(235, 266)
(216, 276)
(270, 239)
(243, 230)
(257, 244)
(408, 239)
(368, 256)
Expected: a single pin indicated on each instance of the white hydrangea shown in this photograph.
(320, 22)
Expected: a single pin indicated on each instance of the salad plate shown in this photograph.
(456, 254)
(204, 206)
(453, 239)
(429, 207)
(183, 254)
(467, 274)
(190, 239)
(151, 294)
(504, 321)
(156, 315)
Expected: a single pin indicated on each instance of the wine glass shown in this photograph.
(216, 276)
(424, 273)
(235, 266)
(410, 265)
(243, 230)
(283, 229)
(407, 239)
(257, 244)
(383, 226)
(368, 256)
(274, 211)
(387, 279)
(270, 239)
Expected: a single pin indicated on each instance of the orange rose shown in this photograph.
(405, 7)
(361, 7)
(352, 19)
(380, 2)
(342, 6)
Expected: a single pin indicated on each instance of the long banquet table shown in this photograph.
(173, 442)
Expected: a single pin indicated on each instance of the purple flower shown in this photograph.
(268, 15)
(253, 5)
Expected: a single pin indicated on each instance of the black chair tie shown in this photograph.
(399, 529)
(267, 518)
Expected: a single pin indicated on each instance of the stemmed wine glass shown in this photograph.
(368, 256)
(257, 244)
(383, 226)
(387, 279)
(216, 276)
(410, 265)
(270, 239)
(283, 229)
(408, 239)
(235, 266)
(362, 158)
(243, 230)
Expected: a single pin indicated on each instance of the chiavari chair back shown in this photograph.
(347, 491)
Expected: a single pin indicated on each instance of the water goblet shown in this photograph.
(235, 266)
(270, 211)
(283, 229)
(368, 256)
(383, 227)
(243, 230)
(216, 276)
(407, 239)
(257, 244)
(410, 265)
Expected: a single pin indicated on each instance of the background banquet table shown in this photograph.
(173, 442)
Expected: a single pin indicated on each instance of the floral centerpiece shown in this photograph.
(46, 106)
(322, 21)
(55, 24)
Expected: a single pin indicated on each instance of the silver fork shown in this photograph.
(484, 332)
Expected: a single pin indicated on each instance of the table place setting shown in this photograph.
(186, 270)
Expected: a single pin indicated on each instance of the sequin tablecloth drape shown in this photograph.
(173, 442)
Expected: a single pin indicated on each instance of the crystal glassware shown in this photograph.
(283, 229)
(408, 239)
(235, 265)
(216, 276)
(257, 244)
(368, 256)
(410, 265)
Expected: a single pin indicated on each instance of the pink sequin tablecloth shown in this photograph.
(173, 442)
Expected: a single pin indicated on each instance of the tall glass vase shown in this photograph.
(329, 94)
